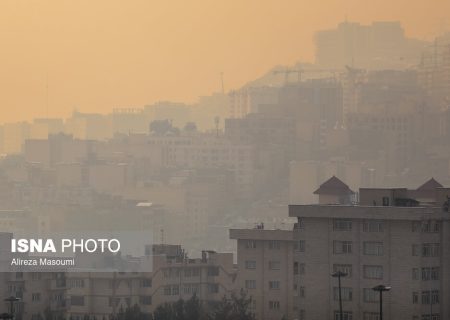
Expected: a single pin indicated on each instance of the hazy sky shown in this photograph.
(99, 54)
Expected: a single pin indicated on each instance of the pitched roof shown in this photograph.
(333, 186)
(430, 185)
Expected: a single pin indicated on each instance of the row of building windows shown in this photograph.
(367, 225)
(369, 248)
(426, 297)
(429, 226)
(369, 295)
(348, 315)
(189, 272)
(174, 290)
(426, 274)
(273, 264)
(426, 250)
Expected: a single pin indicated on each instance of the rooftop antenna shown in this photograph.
(216, 121)
(46, 96)
(221, 80)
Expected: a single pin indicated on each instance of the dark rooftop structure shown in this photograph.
(334, 191)
(333, 186)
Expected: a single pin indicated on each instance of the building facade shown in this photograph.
(395, 237)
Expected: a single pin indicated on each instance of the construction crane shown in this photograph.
(299, 72)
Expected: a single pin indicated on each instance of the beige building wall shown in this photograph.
(265, 262)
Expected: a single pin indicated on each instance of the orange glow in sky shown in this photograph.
(96, 55)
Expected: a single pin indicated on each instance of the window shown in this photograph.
(300, 223)
(431, 226)
(346, 268)
(302, 292)
(171, 273)
(145, 300)
(274, 285)
(250, 264)
(167, 290)
(430, 250)
(415, 250)
(250, 244)
(347, 315)
(75, 283)
(274, 305)
(146, 283)
(35, 297)
(191, 288)
(342, 225)
(35, 276)
(371, 316)
(299, 246)
(250, 284)
(342, 247)
(385, 201)
(370, 295)
(435, 273)
(346, 294)
(433, 295)
(415, 297)
(172, 290)
(373, 272)
(195, 272)
(301, 268)
(77, 300)
(373, 248)
(274, 265)
(428, 226)
(213, 288)
(274, 245)
(416, 226)
(415, 274)
(373, 226)
(213, 271)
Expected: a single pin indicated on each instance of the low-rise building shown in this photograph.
(267, 271)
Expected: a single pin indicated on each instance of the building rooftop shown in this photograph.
(334, 186)
(261, 234)
(431, 184)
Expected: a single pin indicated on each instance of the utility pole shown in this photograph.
(338, 275)
(381, 288)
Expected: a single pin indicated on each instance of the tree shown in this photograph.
(223, 310)
(193, 309)
(133, 313)
(164, 312)
(234, 308)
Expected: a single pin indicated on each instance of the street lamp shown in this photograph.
(11, 301)
(338, 275)
(381, 288)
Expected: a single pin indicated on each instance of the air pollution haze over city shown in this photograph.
(232, 160)
(96, 55)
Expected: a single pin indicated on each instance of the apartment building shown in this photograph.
(393, 236)
(266, 270)
(208, 151)
(101, 295)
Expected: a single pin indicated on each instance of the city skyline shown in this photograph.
(67, 56)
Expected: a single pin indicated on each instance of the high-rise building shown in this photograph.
(393, 236)
(381, 45)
